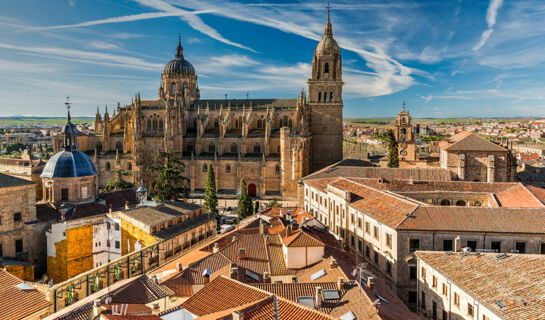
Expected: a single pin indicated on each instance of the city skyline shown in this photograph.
(446, 59)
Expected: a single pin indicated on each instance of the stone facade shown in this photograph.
(72, 189)
(271, 143)
(405, 136)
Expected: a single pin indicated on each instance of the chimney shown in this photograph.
(340, 283)
(261, 227)
(371, 283)
(154, 279)
(242, 253)
(216, 248)
(318, 297)
(179, 267)
(126, 205)
(110, 208)
(457, 244)
(234, 273)
(238, 315)
(333, 264)
(96, 308)
(266, 278)
(206, 276)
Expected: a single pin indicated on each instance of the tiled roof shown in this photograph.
(131, 317)
(300, 239)
(467, 141)
(476, 219)
(538, 192)
(44, 212)
(287, 310)
(296, 213)
(118, 198)
(7, 181)
(85, 210)
(16, 303)
(256, 252)
(141, 291)
(220, 294)
(518, 196)
(162, 213)
(331, 274)
(276, 257)
(516, 281)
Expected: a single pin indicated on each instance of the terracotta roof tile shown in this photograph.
(467, 141)
(256, 252)
(517, 281)
(518, 196)
(12, 298)
(332, 274)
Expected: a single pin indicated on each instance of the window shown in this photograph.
(325, 96)
(18, 245)
(375, 232)
(434, 282)
(445, 289)
(108, 243)
(445, 202)
(64, 192)
(331, 96)
(495, 245)
(412, 297)
(1, 250)
(277, 169)
(389, 240)
(520, 247)
(470, 309)
(326, 68)
(412, 272)
(204, 168)
(108, 166)
(472, 245)
(352, 240)
(234, 148)
(367, 254)
(376, 256)
(423, 300)
(154, 124)
(216, 124)
(445, 315)
(257, 148)
(414, 244)
(319, 96)
(161, 125)
(117, 245)
(388, 267)
(212, 148)
(460, 203)
(456, 299)
(542, 246)
(423, 274)
(228, 168)
(447, 245)
(173, 87)
(360, 221)
(117, 227)
(129, 166)
(367, 228)
(360, 245)
(149, 124)
(17, 217)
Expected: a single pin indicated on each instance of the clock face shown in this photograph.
(403, 152)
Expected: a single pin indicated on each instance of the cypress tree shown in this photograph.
(210, 203)
(244, 202)
(393, 159)
(256, 207)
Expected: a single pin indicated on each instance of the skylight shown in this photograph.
(306, 301)
(252, 275)
(331, 294)
(317, 275)
(348, 316)
(24, 286)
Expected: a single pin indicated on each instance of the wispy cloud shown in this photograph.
(102, 45)
(427, 99)
(491, 15)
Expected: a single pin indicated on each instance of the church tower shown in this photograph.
(325, 101)
(179, 81)
(405, 136)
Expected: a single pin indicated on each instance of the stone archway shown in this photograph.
(252, 190)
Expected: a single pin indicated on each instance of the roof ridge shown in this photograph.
(388, 192)
(531, 193)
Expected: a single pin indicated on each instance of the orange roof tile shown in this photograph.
(16, 303)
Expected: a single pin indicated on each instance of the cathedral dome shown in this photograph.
(69, 164)
(179, 65)
(327, 45)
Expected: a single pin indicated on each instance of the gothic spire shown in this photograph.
(179, 49)
(328, 28)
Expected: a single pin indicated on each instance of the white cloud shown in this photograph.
(427, 99)
(102, 45)
(72, 3)
(491, 15)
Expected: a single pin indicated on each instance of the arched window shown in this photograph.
(129, 166)
(228, 168)
(119, 146)
(285, 121)
(460, 203)
(290, 123)
(99, 147)
(149, 124)
(161, 125)
(108, 166)
(154, 124)
(234, 148)
(257, 148)
(173, 87)
(445, 202)
(211, 148)
(326, 68)
(325, 96)
(204, 167)
(331, 96)
(216, 124)
(319, 96)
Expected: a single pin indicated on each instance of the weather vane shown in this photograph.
(67, 103)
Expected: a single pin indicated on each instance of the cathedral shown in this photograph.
(271, 143)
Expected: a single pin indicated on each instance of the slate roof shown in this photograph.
(467, 141)
(7, 181)
(16, 303)
(517, 281)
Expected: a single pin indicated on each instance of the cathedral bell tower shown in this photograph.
(325, 101)
(405, 136)
(179, 81)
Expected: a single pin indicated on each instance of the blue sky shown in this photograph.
(446, 58)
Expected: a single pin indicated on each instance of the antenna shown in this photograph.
(226, 96)
(247, 95)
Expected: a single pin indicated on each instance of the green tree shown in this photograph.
(210, 203)
(393, 159)
(256, 206)
(244, 202)
(169, 181)
(118, 183)
(273, 204)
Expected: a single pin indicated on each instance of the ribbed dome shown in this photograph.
(179, 65)
(69, 164)
(327, 45)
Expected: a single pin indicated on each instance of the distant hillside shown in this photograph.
(30, 121)
(387, 121)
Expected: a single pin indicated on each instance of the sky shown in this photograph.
(445, 58)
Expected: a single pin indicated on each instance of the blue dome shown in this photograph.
(69, 164)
